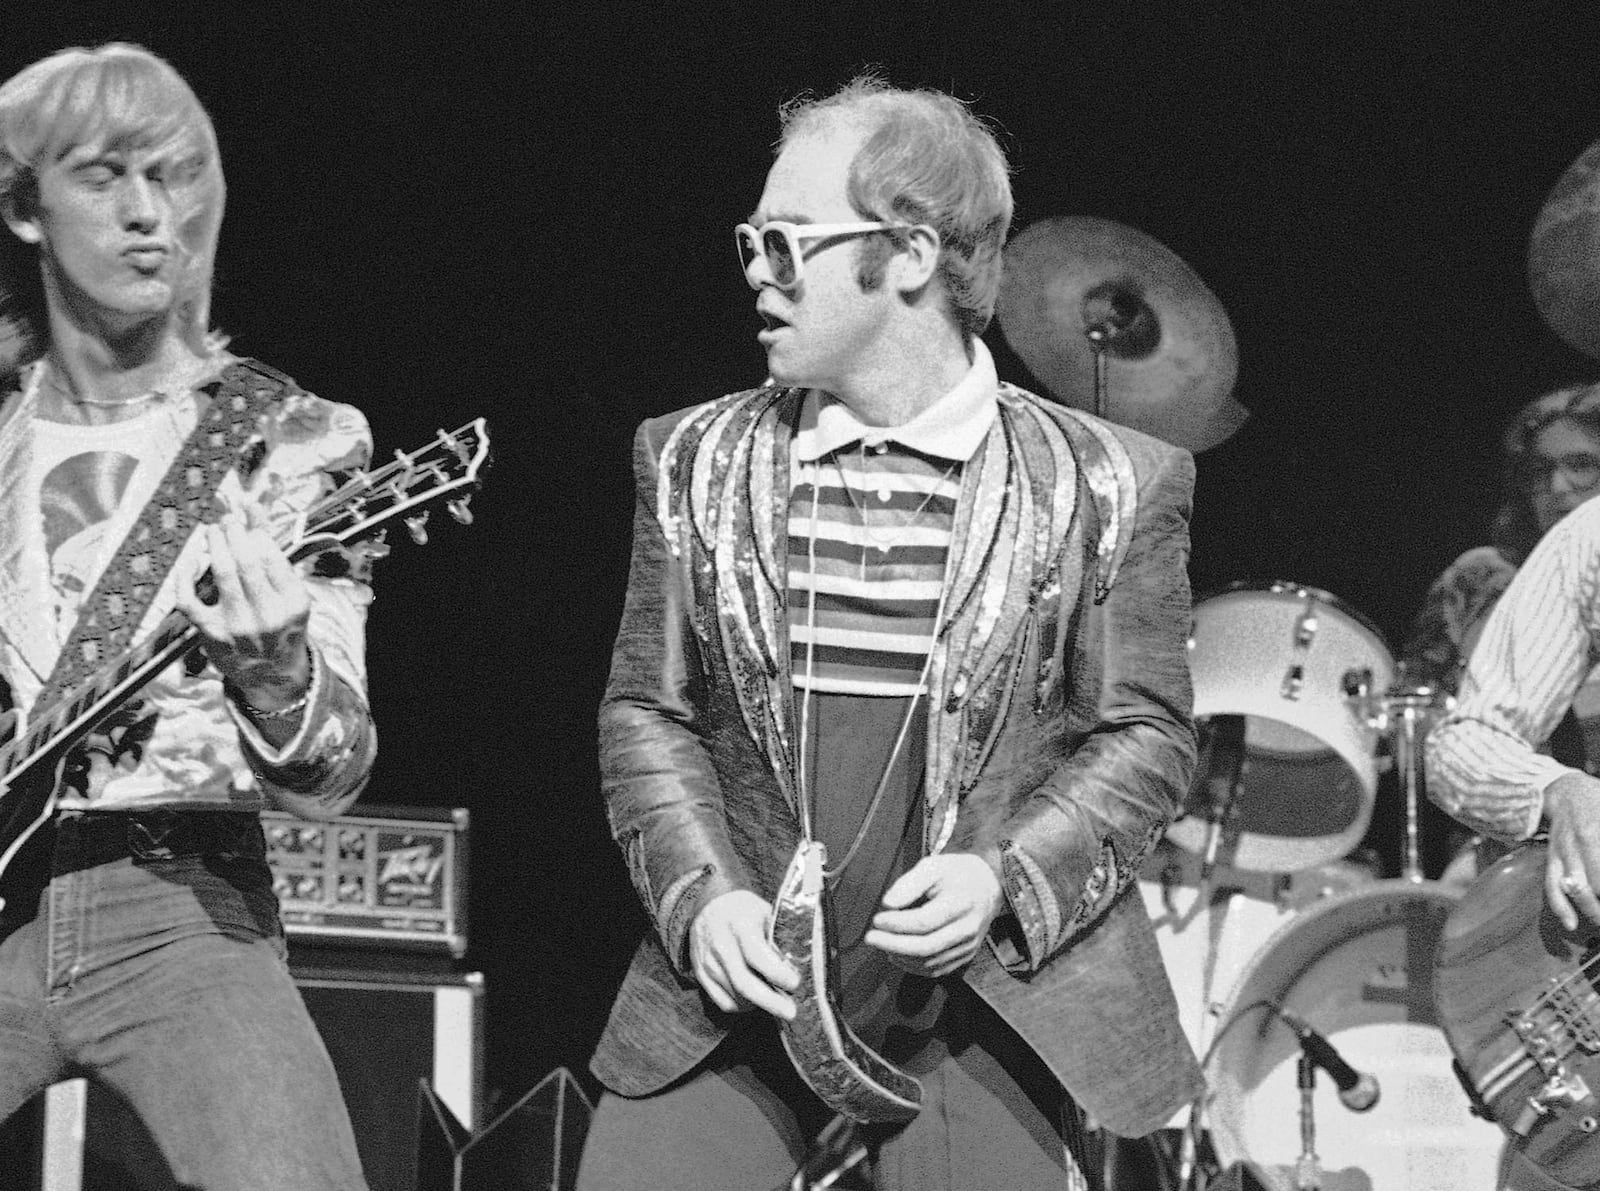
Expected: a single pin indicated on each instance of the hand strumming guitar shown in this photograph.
(254, 630)
(1572, 803)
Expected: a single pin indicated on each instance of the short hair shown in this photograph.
(122, 93)
(1514, 528)
(926, 159)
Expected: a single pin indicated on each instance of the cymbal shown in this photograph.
(1170, 355)
(1564, 255)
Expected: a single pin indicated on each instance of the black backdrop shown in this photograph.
(502, 209)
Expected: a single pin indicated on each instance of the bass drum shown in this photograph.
(1357, 968)
(1208, 935)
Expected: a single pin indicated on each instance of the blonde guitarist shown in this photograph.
(139, 936)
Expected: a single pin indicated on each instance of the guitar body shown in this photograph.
(344, 530)
(1521, 1012)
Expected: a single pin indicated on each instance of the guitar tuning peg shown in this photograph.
(459, 509)
(417, 527)
(451, 443)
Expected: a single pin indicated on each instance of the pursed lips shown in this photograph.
(147, 258)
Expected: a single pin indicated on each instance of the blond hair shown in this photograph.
(122, 94)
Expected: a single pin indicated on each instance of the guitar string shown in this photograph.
(1586, 969)
(333, 502)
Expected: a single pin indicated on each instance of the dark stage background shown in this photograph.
(499, 210)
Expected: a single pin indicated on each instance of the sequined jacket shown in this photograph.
(1061, 736)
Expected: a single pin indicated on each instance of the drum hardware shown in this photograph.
(1305, 632)
(1360, 965)
(1288, 659)
(1114, 318)
(1110, 320)
(1307, 1167)
(1224, 736)
(1405, 713)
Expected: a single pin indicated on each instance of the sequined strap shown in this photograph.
(128, 585)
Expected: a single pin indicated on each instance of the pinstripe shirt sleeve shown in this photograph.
(1484, 767)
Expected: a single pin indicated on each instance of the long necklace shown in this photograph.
(832, 874)
(884, 538)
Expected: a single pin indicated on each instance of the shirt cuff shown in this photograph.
(279, 754)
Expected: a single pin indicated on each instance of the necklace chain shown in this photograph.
(806, 695)
(66, 391)
(883, 537)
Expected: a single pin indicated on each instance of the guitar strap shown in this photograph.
(113, 610)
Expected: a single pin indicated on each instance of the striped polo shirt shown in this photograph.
(870, 515)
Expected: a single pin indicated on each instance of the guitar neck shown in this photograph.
(71, 717)
(345, 518)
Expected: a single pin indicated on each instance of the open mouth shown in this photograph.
(772, 322)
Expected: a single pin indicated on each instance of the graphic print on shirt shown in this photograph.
(78, 501)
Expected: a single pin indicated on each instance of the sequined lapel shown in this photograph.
(1019, 497)
(724, 499)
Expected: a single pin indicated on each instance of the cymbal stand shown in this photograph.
(1406, 721)
(1108, 314)
(1402, 713)
(1099, 339)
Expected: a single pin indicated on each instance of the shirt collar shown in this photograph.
(953, 427)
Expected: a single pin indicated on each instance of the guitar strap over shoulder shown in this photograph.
(113, 610)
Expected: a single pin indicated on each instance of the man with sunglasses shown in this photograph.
(888, 605)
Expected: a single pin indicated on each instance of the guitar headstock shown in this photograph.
(354, 517)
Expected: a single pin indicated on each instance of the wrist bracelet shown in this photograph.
(288, 710)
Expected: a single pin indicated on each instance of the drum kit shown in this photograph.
(1283, 943)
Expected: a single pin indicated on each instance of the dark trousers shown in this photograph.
(992, 1117)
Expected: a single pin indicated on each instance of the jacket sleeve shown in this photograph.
(319, 771)
(1079, 840)
(663, 799)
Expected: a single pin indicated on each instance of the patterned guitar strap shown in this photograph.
(112, 612)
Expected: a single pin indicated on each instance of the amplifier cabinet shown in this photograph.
(385, 1030)
(385, 877)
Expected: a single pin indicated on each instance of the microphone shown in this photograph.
(1358, 1091)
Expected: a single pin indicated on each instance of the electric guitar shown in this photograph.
(1517, 998)
(352, 519)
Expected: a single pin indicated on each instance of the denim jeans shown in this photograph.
(162, 975)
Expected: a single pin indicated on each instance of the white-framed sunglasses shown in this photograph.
(780, 242)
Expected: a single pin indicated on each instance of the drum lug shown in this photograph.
(1357, 683)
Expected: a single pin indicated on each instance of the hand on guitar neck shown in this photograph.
(254, 629)
(1572, 871)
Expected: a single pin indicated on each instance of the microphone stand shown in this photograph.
(837, 1151)
(1307, 1168)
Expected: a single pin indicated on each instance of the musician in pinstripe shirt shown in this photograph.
(1485, 766)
